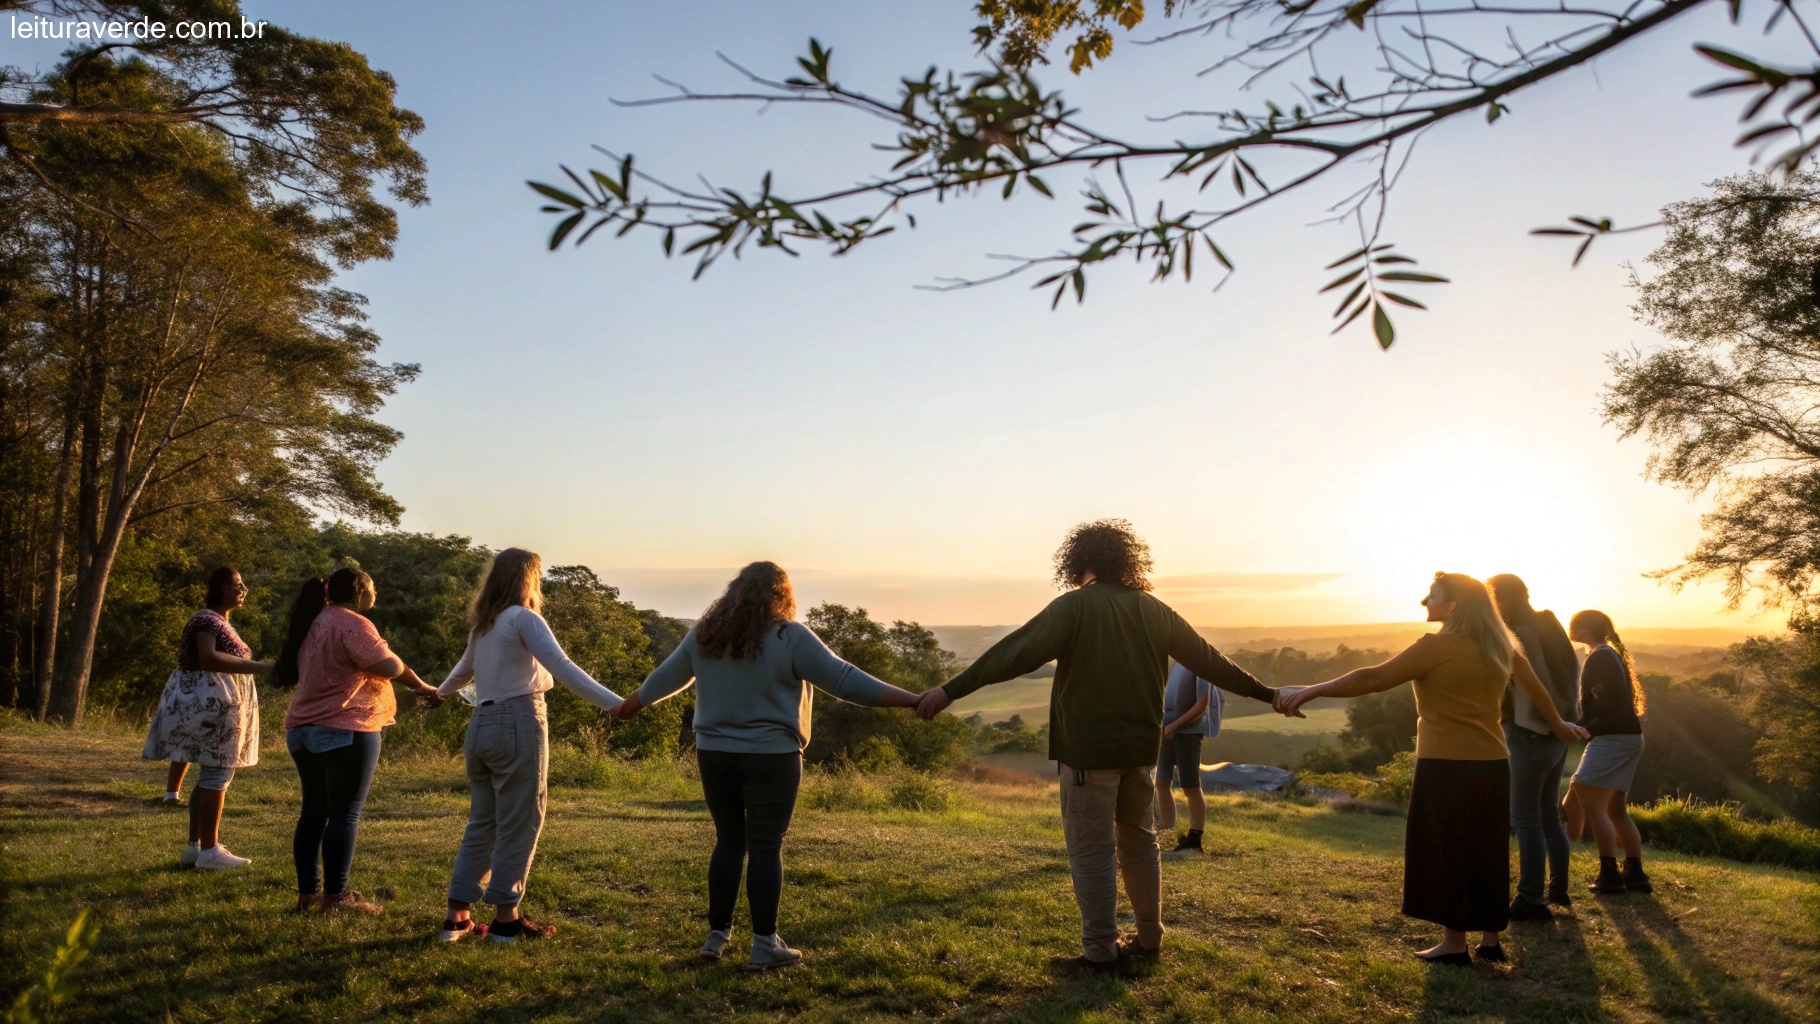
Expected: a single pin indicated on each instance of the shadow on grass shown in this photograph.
(1683, 981)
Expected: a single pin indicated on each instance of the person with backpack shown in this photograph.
(1192, 707)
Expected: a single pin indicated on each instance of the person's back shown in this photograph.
(1112, 646)
(1458, 701)
(760, 703)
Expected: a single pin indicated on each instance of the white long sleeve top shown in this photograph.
(520, 655)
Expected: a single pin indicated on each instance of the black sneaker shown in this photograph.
(1557, 895)
(1521, 909)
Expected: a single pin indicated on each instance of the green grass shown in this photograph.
(946, 914)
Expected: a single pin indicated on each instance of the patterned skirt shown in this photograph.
(206, 718)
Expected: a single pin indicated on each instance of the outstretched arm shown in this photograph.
(461, 674)
(213, 659)
(1192, 651)
(1025, 649)
(814, 663)
(535, 634)
(1416, 660)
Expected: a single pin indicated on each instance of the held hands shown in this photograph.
(1568, 732)
(628, 707)
(1289, 700)
(931, 703)
(430, 698)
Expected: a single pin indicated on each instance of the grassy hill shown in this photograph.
(940, 915)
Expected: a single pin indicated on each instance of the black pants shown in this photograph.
(751, 797)
(335, 784)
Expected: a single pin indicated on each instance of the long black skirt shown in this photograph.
(1456, 850)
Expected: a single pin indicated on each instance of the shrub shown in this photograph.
(845, 788)
(1390, 785)
(1690, 825)
(919, 791)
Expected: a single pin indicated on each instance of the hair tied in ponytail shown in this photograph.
(312, 597)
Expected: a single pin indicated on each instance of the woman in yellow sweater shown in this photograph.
(1456, 851)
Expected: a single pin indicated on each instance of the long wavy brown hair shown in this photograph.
(1108, 548)
(734, 625)
(515, 577)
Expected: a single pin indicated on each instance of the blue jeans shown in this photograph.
(1535, 809)
(335, 784)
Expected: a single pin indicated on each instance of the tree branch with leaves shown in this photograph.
(997, 129)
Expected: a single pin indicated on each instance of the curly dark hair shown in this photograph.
(734, 625)
(1108, 548)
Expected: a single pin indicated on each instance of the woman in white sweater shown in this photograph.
(511, 659)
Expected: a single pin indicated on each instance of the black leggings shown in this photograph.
(751, 797)
(335, 784)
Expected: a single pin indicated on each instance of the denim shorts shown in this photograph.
(213, 777)
(1610, 762)
(1180, 760)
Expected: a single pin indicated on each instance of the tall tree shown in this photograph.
(1336, 92)
(1732, 405)
(206, 356)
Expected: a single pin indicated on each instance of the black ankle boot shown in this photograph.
(1634, 878)
(1610, 881)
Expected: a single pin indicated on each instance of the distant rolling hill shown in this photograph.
(1676, 652)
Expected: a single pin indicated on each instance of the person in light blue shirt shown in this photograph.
(1191, 712)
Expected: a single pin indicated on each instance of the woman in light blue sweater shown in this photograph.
(752, 667)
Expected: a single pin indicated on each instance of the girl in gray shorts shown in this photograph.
(1612, 710)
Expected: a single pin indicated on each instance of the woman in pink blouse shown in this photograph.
(343, 671)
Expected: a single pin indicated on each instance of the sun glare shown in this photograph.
(1477, 507)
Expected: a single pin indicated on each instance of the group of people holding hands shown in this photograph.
(1497, 689)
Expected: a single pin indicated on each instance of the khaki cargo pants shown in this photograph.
(1109, 822)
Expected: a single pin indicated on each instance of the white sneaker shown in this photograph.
(217, 858)
(769, 951)
(716, 944)
(187, 859)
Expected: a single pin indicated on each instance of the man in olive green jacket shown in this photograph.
(1112, 641)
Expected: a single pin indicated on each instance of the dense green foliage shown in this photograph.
(423, 584)
(177, 364)
(904, 654)
(1723, 830)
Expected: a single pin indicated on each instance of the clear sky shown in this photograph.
(922, 454)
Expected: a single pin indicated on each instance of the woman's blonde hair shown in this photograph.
(1475, 615)
(1598, 622)
(515, 577)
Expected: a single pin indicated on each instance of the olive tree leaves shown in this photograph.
(997, 131)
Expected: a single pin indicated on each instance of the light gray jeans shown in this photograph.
(508, 756)
(1109, 823)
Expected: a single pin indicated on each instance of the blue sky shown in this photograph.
(922, 453)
